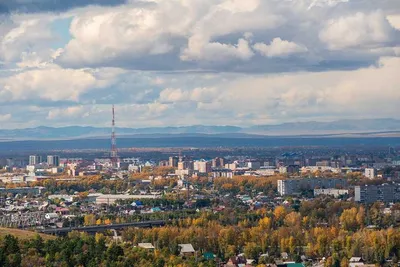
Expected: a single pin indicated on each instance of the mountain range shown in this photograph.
(334, 128)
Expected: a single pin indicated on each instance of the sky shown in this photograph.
(191, 62)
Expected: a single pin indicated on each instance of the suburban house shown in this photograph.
(146, 245)
(186, 250)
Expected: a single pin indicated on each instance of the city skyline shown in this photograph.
(221, 62)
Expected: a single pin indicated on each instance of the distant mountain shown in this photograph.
(334, 127)
(72, 132)
(340, 127)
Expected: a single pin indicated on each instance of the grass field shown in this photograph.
(22, 234)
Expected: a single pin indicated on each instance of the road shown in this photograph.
(101, 228)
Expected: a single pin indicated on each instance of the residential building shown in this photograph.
(53, 160)
(111, 199)
(218, 162)
(232, 166)
(295, 186)
(331, 192)
(173, 161)
(387, 193)
(35, 159)
(202, 166)
(146, 245)
(227, 173)
(369, 173)
(254, 165)
(186, 250)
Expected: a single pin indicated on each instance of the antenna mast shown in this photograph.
(114, 154)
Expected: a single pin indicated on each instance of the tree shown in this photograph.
(279, 214)
(89, 219)
(252, 250)
(12, 251)
(293, 219)
(113, 252)
(344, 262)
(360, 217)
(348, 219)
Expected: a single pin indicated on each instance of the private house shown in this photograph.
(186, 250)
(146, 245)
(356, 261)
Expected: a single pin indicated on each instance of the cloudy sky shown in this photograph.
(186, 62)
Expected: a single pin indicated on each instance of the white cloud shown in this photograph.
(50, 84)
(108, 34)
(203, 50)
(279, 48)
(394, 21)
(199, 94)
(149, 57)
(68, 112)
(26, 39)
(5, 117)
(247, 100)
(358, 30)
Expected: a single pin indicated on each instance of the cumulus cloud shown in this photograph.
(103, 36)
(25, 37)
(358, 30)
(279, 48)
(200, 60)
(249, 99)
(252, 100)
(108, 35)
(203, 50)
(50, 84)
(205, 34)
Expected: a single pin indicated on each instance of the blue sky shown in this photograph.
(211, 62)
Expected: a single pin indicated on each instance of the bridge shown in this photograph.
(102, 228)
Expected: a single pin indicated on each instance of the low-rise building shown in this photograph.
(111, 199)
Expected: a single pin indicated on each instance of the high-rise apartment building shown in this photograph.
(35, 159)
(53, 160)
(173, 161)
(218, 162)
(202, 166)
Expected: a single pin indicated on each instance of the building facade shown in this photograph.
(387, 193)
(295, 186)
(53, 160)
(35, 159)
(369, 173)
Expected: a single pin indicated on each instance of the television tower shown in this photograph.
(114, 154)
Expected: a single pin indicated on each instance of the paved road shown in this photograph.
(101, 228)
